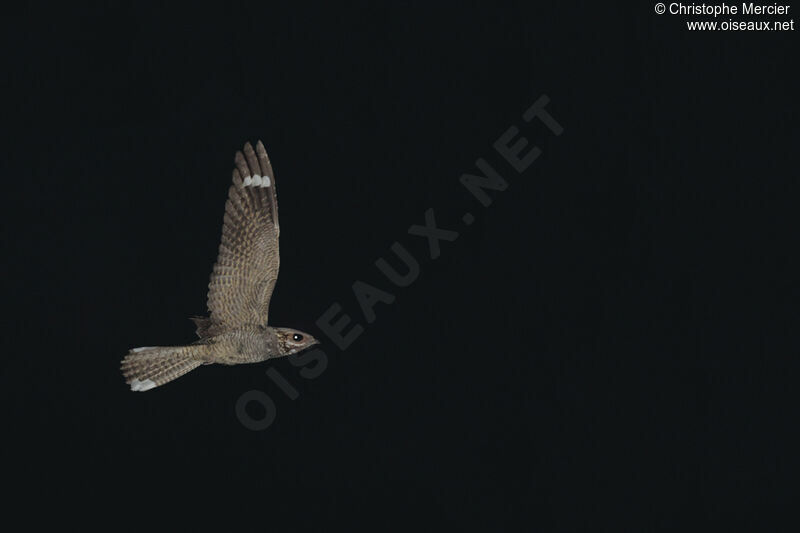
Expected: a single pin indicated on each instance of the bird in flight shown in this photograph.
(236, 330)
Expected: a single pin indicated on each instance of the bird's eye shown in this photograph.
(297, 337)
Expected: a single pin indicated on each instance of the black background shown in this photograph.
(612, 345)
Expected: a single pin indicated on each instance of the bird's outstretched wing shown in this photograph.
(247, 265)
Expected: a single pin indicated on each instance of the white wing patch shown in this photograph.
(257, 181)
(143, 348)
(141, 386)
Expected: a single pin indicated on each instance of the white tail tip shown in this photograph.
(141, 386)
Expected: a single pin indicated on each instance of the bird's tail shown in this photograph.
(150, 366)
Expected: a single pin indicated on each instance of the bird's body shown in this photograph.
(246, 345)
(236, 332)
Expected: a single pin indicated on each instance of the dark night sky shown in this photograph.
(611, 345)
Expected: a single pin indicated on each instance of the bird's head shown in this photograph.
(293, 341)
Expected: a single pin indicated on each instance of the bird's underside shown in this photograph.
(242, 281)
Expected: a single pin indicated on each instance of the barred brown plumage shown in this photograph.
(240, 289)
